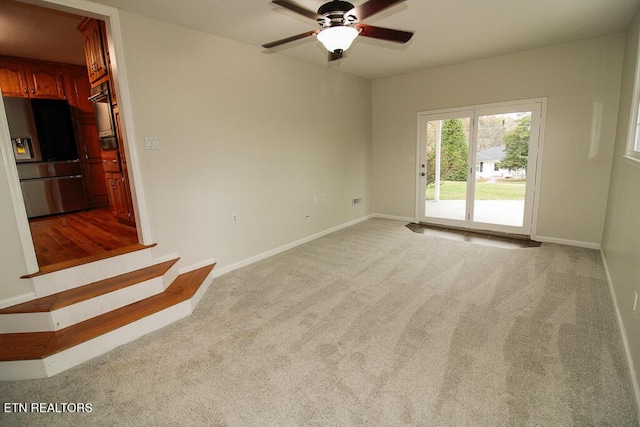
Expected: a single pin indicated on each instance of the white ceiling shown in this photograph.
(446, 31)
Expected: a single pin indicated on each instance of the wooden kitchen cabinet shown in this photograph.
(119, 197)
(90, 158)
(12, 79)
(77, 88)
(123, 165)
(110, 161)
(30, 79)
(44, 80)
(94, 48)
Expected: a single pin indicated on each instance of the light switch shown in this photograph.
(152, 143)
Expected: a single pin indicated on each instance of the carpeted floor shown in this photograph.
(371, 325)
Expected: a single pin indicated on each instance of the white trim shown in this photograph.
(535, 105)
(275, 251)
(192, 267)
(116, 51)
(56, 363)
(395, 218)
(416, 202)
(79, 312)
(204, 287)
(630, 150)
(17, 300)
(632, 160)
(538, 175)
(165, 258)
(623, 333)
(483, 106)
(116, 48)
(17, 199)
(80, 275)
(567, 242)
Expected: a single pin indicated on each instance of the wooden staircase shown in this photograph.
(70, 322)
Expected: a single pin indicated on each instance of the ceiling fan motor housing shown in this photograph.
(335, 13)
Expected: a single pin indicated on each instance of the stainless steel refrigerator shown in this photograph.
(46, 155)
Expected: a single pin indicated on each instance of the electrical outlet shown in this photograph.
(322, 197)
(234, 218)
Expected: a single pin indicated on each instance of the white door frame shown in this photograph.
(534, 170)
(116, 50)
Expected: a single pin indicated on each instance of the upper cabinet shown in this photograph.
(12, 79)
(30, 79)
(94, 48)
(44, 80)
(77, 88)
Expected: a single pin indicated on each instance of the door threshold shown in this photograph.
(483, 237)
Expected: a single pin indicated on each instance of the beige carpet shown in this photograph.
(372, 325)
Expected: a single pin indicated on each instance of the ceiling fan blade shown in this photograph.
(388, 34)
(333, 56)
(298, 9)
(371, 8)
(290, 39)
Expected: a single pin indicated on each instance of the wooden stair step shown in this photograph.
(86, 260)
(38, 345)
(92, 290)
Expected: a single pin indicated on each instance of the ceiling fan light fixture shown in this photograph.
(337, 38)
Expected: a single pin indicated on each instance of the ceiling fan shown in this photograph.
(340, 22)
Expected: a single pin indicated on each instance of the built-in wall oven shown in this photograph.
(101, 98)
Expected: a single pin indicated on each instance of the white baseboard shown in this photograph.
(264, 255)
(395, 218)
(17, 300)
(567, 242)
(623, 333)
(164, 258)
(192, 267)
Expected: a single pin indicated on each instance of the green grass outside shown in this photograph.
(500, 190)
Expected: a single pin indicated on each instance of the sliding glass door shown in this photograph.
(444, 166)
(478, 166)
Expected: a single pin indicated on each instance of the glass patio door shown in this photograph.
(478, 167)
(444, 168)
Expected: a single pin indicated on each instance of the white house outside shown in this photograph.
(488, 165)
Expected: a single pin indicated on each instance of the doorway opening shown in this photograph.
(478, 167)
(99, 226)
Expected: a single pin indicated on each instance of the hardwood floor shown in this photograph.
(68, 237)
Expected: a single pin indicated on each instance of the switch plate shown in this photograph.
(152, 143)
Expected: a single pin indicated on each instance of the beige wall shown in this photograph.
(621, 241)
(576, 166)
(246, 133)
(241, 132)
